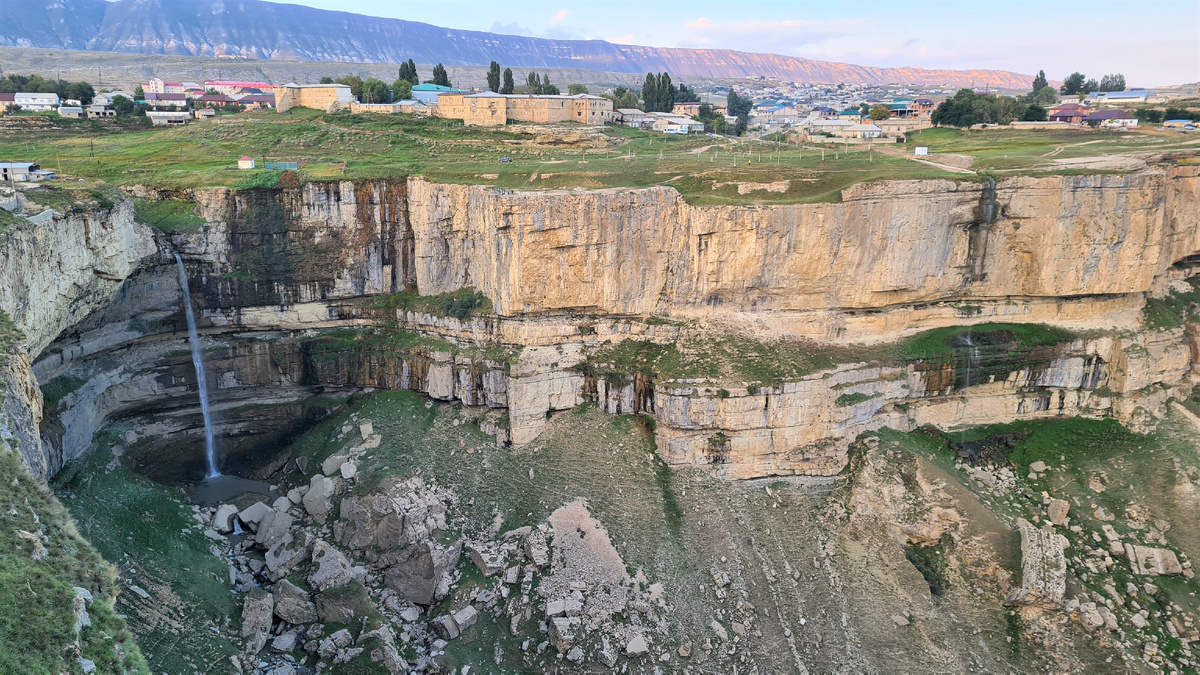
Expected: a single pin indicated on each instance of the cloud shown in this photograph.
(560, 15)
(780, 36)
(911, 42)
(621, 39)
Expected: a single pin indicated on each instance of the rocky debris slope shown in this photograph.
(381, 561)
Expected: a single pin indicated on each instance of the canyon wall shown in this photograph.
(293, 289)
(53, 275)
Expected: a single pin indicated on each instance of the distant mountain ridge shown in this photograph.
(267, 30)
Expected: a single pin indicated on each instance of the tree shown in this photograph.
(325, 80)
(138, 94)
(739, 128)
(627, 100)
(1039, 82)
(547, 88)
(966, 108)
(123, 106)
(508, 86)
(1149, 115)
(81, 91)
(1045, 96)
(408, 71)
(714, 122)
(1090, 86)
(1035, 113)
(738, 105)
(577, 89)
(880, 112)
(493, 77)
(1174, 113)
(650, 93)
(686, 94)
(666, 93)
(1072, 85)
(440, 76)
(1115, 82)
(401, 90)
(376, 91)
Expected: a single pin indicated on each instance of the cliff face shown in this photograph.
(282, 281)
(55, 274)
(894, 246)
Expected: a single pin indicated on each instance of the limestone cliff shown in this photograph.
(55, 274)
(280, 276)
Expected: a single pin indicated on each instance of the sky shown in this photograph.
(1152, 42)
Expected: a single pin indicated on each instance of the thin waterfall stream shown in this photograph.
(198, 363)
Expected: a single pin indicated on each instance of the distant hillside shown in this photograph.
(265, 30)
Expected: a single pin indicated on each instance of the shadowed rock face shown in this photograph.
(285, 282)
(264, 30)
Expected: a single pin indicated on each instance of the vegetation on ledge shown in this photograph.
(1172, 310)
(168, 215)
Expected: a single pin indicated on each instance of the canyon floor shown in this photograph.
(769, 575)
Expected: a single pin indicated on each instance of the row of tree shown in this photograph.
(660, 95)
(966, 108)
(36, 84)
(1077, 83)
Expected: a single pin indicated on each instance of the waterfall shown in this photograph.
(198, 362)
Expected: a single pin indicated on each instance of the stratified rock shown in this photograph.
(466, 617)
(1043, 568)
(273, 527)
(318, 501)
(1057, 511)
(293, 604)
(288, 554)
(343, 604)
(416, 572)
(333, 569)
(537, 549)
(564, 632)
(223, 519)
(1147, 560)
(252, 515)
(256, 619)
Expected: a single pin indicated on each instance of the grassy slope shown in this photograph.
(1004, 149)
(139, 525)
(36, 596)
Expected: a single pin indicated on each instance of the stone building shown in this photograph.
(492, 109)
(326, 97)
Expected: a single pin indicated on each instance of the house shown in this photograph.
(258, 101)
(100, 111)
(20, 172)
(923, 105)
(204, 113)
(107, 97)
(670, 123)
(72, 112)
(167, 100)
(246, 163)
(825, 111)
(36, 101)
(6, 100)
(1177, 124)
(632, 117)
(215, 100)
(860, 131)
(492, 109)
(429, 93)
(828, 126)
(157, 85)
(689, 109)
(851, 115)
(1072, 113)
(1132, 96)
(237, 87)
(1111, 118)
(168, 118)
(327, 97)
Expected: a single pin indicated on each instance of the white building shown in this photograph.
(36, 101)
(168, 119)
(863, 131)
(70, 111)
